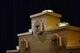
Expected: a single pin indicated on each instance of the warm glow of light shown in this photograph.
(48, 11)
(63, 24)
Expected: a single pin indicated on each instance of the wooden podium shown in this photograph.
(46, 36)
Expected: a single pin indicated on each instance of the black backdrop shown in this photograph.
(15, 14)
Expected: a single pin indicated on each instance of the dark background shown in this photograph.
(15, 14)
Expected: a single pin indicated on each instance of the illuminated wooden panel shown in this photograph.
(73, 38)
(52, 22)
